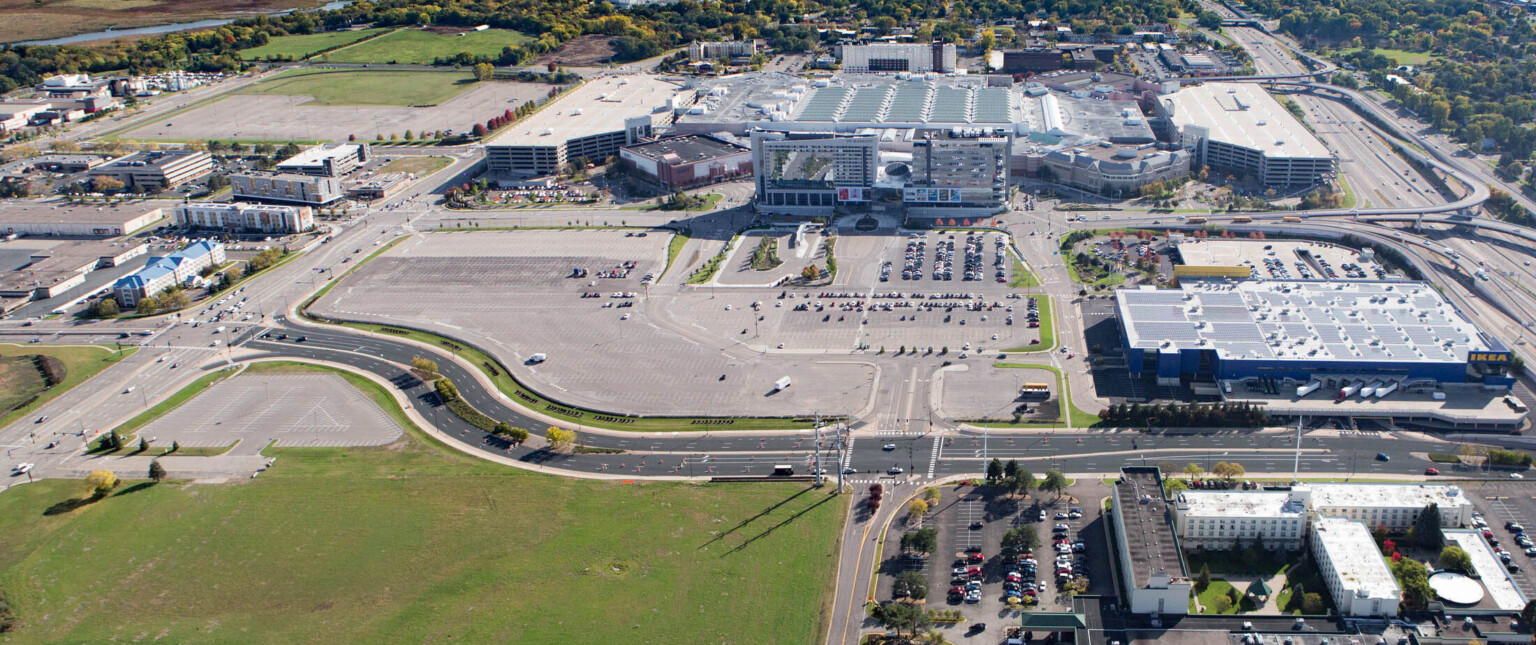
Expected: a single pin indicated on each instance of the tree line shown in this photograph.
(1188, 415)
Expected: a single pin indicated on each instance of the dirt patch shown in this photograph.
(29, 20)
(586, 50)
(445, 30)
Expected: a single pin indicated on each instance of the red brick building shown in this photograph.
(688, 160)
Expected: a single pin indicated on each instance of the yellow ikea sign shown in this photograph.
(1488, 357)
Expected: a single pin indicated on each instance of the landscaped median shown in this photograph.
(414, 542)
(1047, 329)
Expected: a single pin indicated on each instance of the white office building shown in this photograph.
(327, 160)
(288, 188)
(899, 57)
(1222, 519)
(1351, 565)
(1219, 519)
(246, 218)
(1395, 505)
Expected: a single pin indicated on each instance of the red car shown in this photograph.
(974, 557)
(1431, 471)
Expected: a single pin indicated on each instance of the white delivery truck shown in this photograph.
(779, 385)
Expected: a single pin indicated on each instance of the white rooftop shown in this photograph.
(1352, 550)
(598, 106)
(318, 154)
(1266, 504)
(1500, 585)
(1302, 320)
(1244, 114)
(1384, 495)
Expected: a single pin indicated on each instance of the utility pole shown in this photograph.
(816, 463)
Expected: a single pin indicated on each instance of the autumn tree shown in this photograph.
(101, 482)
(559, 438)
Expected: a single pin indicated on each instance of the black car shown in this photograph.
(301, 339)
(978, 628)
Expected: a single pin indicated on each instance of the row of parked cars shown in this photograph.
(1521, 539)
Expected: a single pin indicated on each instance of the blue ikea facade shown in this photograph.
(1205, 363)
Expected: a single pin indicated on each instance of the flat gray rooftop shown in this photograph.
(1148, 530)
(1405, 322)
(1118, 121)
(959, 103)
(1245, 115)
(600, 105)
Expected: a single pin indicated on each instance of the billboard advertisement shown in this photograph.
(932, 195)
(846, 194)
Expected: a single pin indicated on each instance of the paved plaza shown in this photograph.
(295, 409)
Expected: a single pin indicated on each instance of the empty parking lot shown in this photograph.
(295, 409)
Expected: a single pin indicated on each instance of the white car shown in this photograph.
(1516, 476)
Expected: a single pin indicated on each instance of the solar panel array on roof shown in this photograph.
(867, 104)
(824, 104)
(994, 105)
(910, 103)
(1368, 321)
(951, 105)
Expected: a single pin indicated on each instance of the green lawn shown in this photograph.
(420, 166)
(412, 543)
(1047, 329)
(368, 87)
(674, 246)
(1022, 278)
(303, 45)
(1399, 56)
(20, 380)
(80, 363)
(416, 46)
(1208, 597)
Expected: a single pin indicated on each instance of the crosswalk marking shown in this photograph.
(933, 459)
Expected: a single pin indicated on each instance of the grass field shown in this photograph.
(306, 44)
(369, 88)
(412, 543)
(20, 380)
(416, 46)
(1047, 328)
(1398, 55)
(417, 165)
(80, 362)
(1217, 587)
